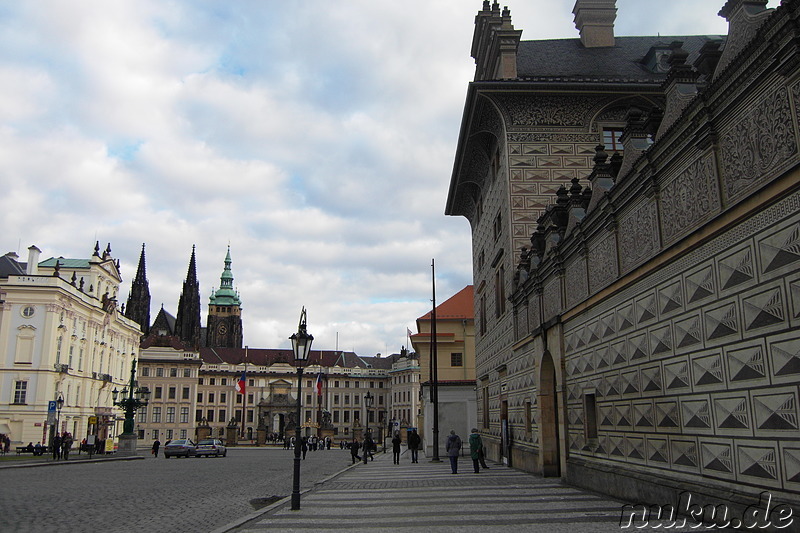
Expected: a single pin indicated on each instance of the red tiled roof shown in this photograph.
(460, 306)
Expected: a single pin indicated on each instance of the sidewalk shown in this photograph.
(426, 497)
(31, 462)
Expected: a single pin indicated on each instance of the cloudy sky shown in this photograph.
(315, 137)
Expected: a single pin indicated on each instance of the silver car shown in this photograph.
(179, 448)
(211, 447)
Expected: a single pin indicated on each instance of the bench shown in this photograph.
(24, 449)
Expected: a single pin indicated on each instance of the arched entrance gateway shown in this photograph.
(278, 409)
(548, 421)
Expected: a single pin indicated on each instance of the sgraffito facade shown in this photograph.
(650, 345)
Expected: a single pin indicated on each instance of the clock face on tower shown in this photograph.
(222, 329)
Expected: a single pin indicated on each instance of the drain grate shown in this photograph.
(259, 503)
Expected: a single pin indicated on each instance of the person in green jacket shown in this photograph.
(475, 449)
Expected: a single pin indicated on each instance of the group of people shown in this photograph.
(367, 448)
(62, 444)
(312, 443)
(476, 451)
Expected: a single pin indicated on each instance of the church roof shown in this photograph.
(630, 60)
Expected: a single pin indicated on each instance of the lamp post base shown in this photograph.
(127, 445)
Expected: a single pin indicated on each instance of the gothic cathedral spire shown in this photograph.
(224, 324)
(187, 323)
(138, 307)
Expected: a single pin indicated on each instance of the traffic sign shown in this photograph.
(93, 420)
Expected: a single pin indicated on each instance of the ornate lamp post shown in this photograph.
(368, 399)
(301, 346)
(131, 399)
(59, 405)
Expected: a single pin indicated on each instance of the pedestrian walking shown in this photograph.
(369, 445)
(414, 442)
(453, 447)
(156, 446)
(354, 450)
(304, 446)
(475, 449)
(396, 441)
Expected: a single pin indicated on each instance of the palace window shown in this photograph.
(185, 393)
(156, 415)
(157, 394)
(171, 394)
(611, 139)
(590, 418)
(184, 415)
(456, 359)
(20, 392)
(170, 415)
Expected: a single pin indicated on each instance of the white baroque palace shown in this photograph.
(62, 335)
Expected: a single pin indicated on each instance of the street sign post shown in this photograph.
(51, 412)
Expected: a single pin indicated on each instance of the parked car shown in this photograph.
(180, 448)
(211, 447)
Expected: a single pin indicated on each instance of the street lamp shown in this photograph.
(301, 346)
(131, 399)
(59, 405)
(368, 399)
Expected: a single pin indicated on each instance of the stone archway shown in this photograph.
(548, 420)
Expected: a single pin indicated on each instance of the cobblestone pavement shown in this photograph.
(426, 498)
(153, 495)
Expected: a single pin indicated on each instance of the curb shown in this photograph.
(73, 462)
(255, 515)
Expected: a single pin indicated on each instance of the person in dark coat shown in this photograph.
(369, 446)
(414, 442)
(156, 446)
(475, 449)
(396, 441)
(57, 447)
(354, 446)
(453, 447)
(304, 446)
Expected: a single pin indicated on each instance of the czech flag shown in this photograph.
(240, 385)
(319, 384)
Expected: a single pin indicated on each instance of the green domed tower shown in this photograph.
(224, 324)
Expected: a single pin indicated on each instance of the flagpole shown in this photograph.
(434, 371)
(244, 393)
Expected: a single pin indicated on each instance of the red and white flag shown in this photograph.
(319, 384)
(240, 385)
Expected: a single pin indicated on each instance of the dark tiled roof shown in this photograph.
(569, 60)
(270, 356)
(10, 267)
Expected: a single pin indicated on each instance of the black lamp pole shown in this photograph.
(301, 346)
(59, 405)
(367, 404)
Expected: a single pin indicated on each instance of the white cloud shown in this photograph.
(316, 138)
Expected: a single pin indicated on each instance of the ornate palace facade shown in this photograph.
(635, 214)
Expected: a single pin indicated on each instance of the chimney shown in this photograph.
(595, 22)
(33, 261)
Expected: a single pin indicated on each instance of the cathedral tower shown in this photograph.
(187, 323)
(224, 324)
(138, 307)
